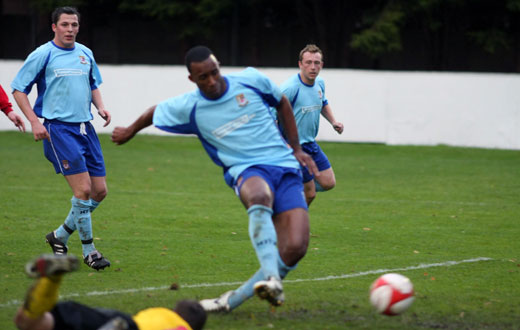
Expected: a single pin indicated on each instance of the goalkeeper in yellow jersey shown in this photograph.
(42, 311)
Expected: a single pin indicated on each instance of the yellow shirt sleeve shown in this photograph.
(160, 318)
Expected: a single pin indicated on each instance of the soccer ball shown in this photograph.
(391, 294)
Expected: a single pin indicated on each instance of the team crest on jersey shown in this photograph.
(65, 164)
(320, 94)
(241, 100)
(83, 59)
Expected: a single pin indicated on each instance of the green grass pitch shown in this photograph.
(170, 219)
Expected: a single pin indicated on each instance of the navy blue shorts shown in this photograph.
(285, 182)
(319, 157)
(69, 315)
(73, 148)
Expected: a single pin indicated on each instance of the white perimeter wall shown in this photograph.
(418, 108)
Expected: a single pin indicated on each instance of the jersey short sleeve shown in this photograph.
(290, 89)
(31, 69)
(173, 114)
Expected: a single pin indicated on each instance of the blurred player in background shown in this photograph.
(230, 115)
(6, 107)
(306, 92)
(42, 311)
(68, 78)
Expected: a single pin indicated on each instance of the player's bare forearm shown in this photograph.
(327, 113)
(23, 103)
(100, 106)
(121, 135)
(39, 131)
(286, 116)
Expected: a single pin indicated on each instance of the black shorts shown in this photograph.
(69, 315)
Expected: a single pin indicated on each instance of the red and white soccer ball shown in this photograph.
(391, 294)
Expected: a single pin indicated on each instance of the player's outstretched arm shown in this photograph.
(327, 113)
(286, 117)
(121, 135)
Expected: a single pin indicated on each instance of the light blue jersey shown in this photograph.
(307, 102)
(65, 78)
(237, 130)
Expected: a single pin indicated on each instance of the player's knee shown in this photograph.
(325, 184)
(260, 198)
(329, 184)
(327, 180)
(99, 195)
(82, 193)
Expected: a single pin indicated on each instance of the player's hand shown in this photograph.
(106, 116)
(39, 131)
(121, 135)
(17, 121)
(307, 161)
(338, 127)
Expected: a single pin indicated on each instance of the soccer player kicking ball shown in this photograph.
(231, 117)
(42, 311)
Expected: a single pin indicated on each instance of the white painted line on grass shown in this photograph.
(203, 285)
(392, 270)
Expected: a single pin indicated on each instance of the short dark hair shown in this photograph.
(63, 10)
(197, 54)
(311, 48)
(192, 312)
